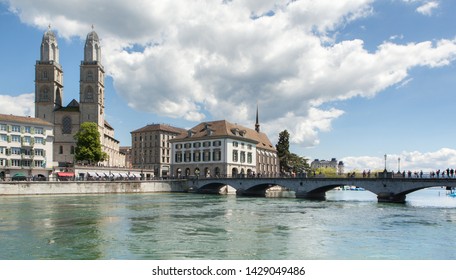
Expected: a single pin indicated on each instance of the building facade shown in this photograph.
(333, 164)
(223, 149)
(90, 108)
(26, 148)
(151, 148)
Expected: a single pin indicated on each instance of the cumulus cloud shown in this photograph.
(21, 105)
(428, 8)
(413, 161)
(205, 59)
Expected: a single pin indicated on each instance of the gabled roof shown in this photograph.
(223, 128)
(161, 127)
(73, 106)
(24, 120)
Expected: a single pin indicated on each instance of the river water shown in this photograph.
(348, 225)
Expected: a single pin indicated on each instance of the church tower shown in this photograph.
(91, 86)
(48, 79)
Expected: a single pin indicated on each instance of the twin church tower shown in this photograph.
(90, 108)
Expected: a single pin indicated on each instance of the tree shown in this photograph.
(289, 162)
(282, 147)
(88, 144)
(297, 164)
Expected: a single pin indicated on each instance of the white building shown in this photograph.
(220, 149)
(26, 148)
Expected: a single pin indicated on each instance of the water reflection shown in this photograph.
(348, 225)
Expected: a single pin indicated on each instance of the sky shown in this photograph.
(353, 80)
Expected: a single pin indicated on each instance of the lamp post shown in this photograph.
(385, 163)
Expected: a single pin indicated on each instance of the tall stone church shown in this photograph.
(90, 108)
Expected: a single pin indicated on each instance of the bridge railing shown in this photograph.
(353, 175)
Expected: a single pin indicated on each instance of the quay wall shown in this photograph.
(91, 187)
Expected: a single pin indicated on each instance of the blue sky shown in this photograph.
(352, 79)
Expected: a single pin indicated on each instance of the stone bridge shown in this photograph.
(386, 189)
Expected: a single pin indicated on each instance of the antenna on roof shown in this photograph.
(257, 123)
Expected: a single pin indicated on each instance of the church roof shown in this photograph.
(49, 36)
(223, 128)
(92, 36)
(73, 106)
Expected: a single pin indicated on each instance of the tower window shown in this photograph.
(90, 76)
(89, 94)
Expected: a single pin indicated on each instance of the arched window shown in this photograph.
(90, 76)
(66, 125)
(61, 150)
(89, 94)
(44, 94)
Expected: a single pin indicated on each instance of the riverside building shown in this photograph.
(26, 148)
(90, 107)
(151, 148)
(220, 148)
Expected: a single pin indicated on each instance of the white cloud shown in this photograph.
(427, 8)
(21, 105)
(218, 59)
(413, 161)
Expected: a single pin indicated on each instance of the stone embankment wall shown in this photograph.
(87, 187)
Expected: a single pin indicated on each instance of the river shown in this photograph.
(349, 225)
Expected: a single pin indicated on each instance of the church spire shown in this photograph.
(257, 123)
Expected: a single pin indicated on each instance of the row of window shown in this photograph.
(204, 144)
(25, 139)
(241, 156)
(151, 160)
(22, 163)
(21, 129)
(21, 151)
(198, 156)
(156, 137)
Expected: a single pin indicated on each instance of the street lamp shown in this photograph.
(385, 162)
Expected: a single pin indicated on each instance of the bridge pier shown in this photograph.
(311, 195)
(391, 197)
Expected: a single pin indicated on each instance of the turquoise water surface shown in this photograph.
(348, 225)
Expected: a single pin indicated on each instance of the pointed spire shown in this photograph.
(257, 123)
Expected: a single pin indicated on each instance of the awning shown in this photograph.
(65, 174)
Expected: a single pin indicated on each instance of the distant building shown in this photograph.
(221, 148)
(126, 151)
(338, 166)
(151, 148)
(26, 148)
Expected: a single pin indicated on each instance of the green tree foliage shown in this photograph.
(289, 162)
(282, 147)
(297, 164)
(88, 144)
